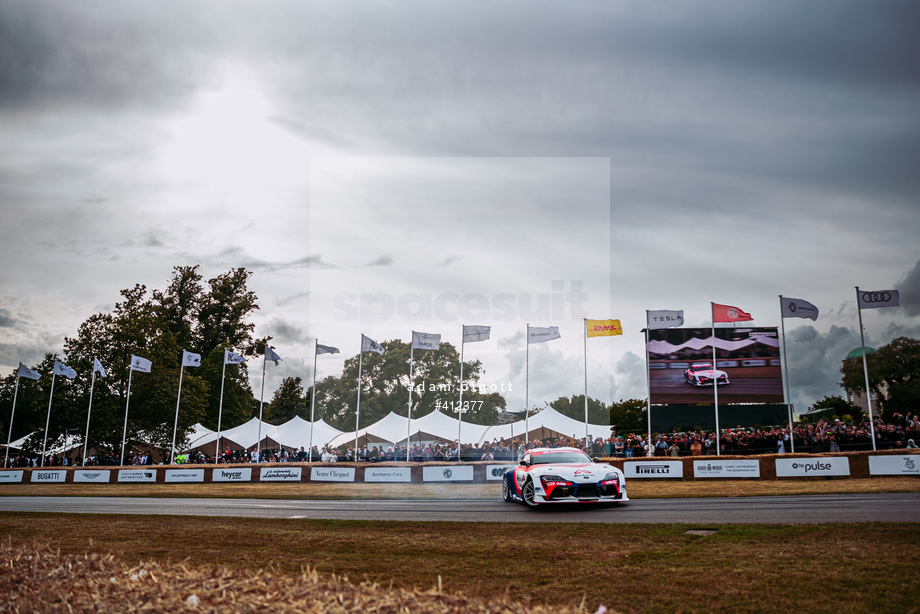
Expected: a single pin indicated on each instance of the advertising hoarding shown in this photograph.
(388, 474)
(332, 474)
(838, 466)
(453, 473)
(232, 474)
(10, 477)
(894, 465)
(681, 371)
(100, 476)
(654, 469)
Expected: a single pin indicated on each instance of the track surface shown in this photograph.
(883, 507)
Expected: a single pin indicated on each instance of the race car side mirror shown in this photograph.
(524, 463)
(595, 460)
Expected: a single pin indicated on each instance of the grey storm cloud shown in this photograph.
(909, 290)
(814, 360)
(6, 319)
(760, 147)
(283, 331)
(384, 260)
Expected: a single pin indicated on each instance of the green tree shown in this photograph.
(894, 376)
(629, 416)
(385, 381)
(574, 407)
(288, 401)
(838, 406)
(27, 417)
(186, 315)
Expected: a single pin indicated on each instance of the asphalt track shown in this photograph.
(814, 509)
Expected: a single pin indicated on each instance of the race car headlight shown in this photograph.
(611, 477)
(554, 480)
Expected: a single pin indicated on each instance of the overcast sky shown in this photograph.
(384, 167)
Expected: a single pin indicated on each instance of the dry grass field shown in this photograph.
(90, 563)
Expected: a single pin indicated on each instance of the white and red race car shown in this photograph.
(562, 475)
(703, 375)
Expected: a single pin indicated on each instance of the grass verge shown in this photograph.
(648, 568)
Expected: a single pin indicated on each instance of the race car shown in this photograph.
(702, 375)
(562, 475)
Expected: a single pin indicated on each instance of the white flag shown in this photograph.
(537, 334)
(190, 360)
(62, 369)
(140, 364)
(425, 341)
(665, 318)
(272, 356)
(369, 345)
(326, 349)
(232, 359)
(873, 299)
(97, 368)
(797, 308)
(475, 333)
(25, 371)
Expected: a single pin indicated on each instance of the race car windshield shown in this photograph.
(561, 457)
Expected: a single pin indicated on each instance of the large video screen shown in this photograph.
(747, 366)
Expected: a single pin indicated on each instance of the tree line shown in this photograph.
(208, 317)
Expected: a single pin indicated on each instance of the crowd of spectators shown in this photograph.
(825, 436)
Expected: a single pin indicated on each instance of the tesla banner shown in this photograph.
(747, 368)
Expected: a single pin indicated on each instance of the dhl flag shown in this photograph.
(603, 328)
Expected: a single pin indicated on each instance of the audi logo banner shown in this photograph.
(873, 299)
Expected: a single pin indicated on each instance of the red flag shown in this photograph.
(727, 313)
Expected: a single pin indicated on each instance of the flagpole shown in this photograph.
(220, 407)
(527, 388)
(172, 458)
(648, 383)
(313, 405)
(9, 436)
(862, 340)
(48, 419)
(124, 432)
(261, 398)
(785, 360)
(89, 411)
(460, 407)
(358, 408)
(715, 378)
(409, 415)
(586, 381)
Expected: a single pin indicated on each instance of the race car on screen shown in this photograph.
(562, 475)
(702, 375)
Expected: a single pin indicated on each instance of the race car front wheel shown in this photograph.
(528, 494)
